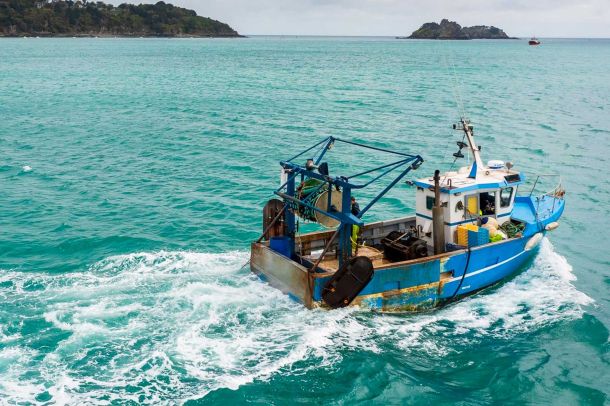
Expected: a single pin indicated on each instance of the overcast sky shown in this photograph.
(544, 18)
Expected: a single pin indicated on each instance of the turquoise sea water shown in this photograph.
(133, 172)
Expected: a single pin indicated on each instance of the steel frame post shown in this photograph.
(345, 231)
(289, 215)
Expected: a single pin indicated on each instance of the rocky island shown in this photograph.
(452, 30)
(59, 18)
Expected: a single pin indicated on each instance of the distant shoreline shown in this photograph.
(81, 35)
(66, 18)
(450, 30)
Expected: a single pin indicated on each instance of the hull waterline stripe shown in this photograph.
(469, 274)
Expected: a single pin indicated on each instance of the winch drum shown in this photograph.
(318, 197)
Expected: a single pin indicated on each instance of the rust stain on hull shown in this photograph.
(398, 300)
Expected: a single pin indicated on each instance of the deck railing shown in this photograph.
(557, 192)
(553, 192)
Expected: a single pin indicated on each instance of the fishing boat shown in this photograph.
(470, 230)
(534, 41)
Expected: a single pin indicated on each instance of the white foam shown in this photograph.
(177, 325)
(541, 295)
(26, 168)
(537, 297)
(14, 362)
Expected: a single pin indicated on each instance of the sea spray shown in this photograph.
(177, 325)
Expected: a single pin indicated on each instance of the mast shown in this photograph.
(474, 149)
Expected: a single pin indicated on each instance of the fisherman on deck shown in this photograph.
(355, 207)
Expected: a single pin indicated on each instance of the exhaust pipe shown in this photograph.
(438, 217)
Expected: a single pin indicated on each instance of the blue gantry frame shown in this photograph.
(287, 191)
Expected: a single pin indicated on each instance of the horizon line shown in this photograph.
(295, 35)
(393, 36)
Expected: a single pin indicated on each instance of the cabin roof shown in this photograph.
(486, 178)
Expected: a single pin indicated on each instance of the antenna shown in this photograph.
(455, 84)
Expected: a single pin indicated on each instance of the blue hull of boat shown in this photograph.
(429, 284)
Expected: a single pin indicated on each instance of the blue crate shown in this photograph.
(281, 245)
(476, 238)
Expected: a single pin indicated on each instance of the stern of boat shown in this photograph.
(282, 273)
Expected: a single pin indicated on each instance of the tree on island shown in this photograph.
(78, 18)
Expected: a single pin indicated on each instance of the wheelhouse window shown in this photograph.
(429, 202)
(506, 195)
(487, 203)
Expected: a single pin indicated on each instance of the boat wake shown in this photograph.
(177, 325)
